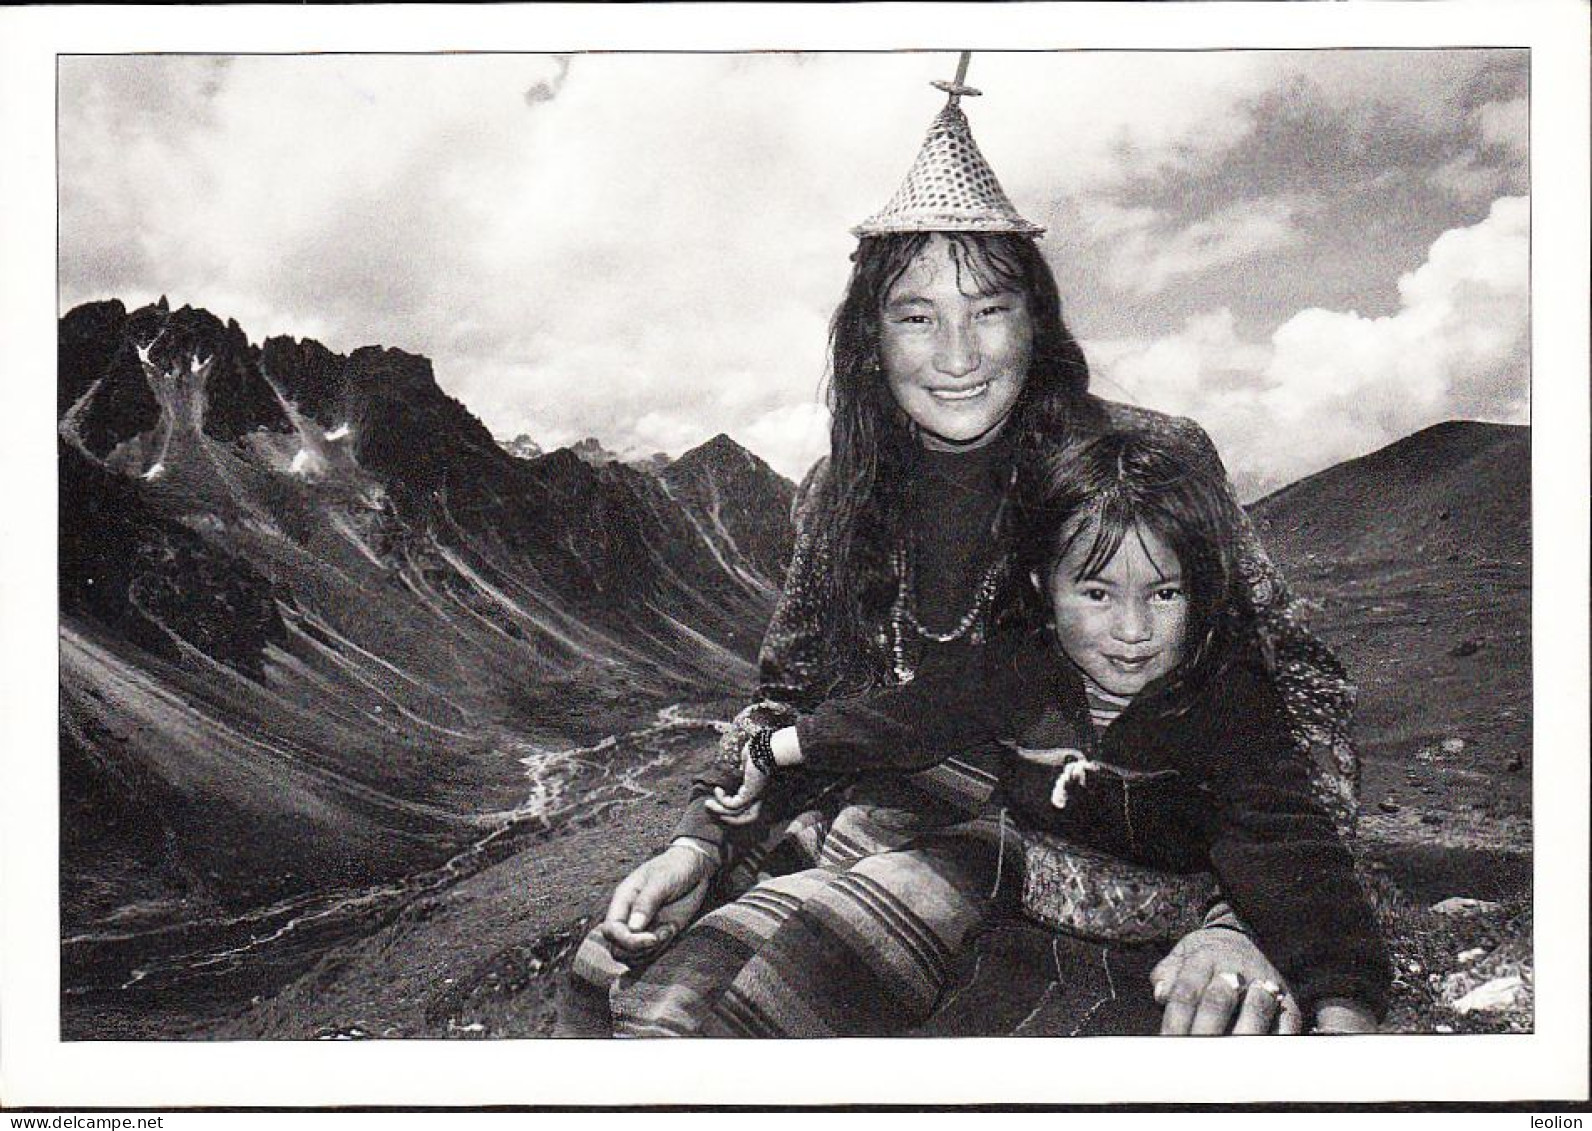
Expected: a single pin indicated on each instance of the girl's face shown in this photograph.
(1126, 625)
(956, 359)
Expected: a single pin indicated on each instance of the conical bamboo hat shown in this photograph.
(950, 187)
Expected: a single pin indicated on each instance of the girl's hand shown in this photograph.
(1217, 981)
(780, 747)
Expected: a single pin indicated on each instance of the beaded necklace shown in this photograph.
(903, 617)
(972, 623)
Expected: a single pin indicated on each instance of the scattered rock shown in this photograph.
(1431, 818)
(1464, 905)
(1500, 993)
(1388, 805)
(1467, 956)
(1515, 764)
(346, 1033)
(1442, 1028)
(1453, 745)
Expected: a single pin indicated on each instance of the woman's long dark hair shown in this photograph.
(872, 445)
(1096, 493)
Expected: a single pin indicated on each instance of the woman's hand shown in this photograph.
(743, 806)
(1216, 981)
(785, 749)
(653, 903)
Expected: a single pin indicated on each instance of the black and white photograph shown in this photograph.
(1045, 521)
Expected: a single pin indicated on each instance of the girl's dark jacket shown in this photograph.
(1201, 775)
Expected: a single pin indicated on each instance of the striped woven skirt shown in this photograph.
(874, 940)
(863, 944)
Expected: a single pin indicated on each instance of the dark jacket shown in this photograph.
(1188, 778)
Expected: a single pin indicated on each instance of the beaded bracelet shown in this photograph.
(760, 749)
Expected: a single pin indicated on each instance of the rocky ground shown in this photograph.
(480, 959)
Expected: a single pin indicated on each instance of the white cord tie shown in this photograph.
(1000, 852)
(1075, 768)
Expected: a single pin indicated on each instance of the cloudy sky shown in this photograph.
(1312, 253)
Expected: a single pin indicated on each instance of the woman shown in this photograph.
(950, 363)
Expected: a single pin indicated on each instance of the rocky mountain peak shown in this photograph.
(521, 447)
(592, 451)
(720, 454)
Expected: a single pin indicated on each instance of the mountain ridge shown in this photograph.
(1427, 478)
(315, 623)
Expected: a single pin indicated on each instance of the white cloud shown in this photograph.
(664, 432)
(790, 438)
(1181, 370)
(1499, 160)
(1147, 249)
(1165, 112)
(1505, 123)
(1330, 385)
(578, 249)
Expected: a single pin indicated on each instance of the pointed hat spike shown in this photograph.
(957, 87)
(950, 187)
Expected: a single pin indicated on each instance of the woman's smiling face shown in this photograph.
(955, 353)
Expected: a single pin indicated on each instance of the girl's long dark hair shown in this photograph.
(1096, 493)
(861, 512)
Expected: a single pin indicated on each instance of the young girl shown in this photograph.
(1139, 720)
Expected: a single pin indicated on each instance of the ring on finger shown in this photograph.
(1269, 987)
(1232, 979)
